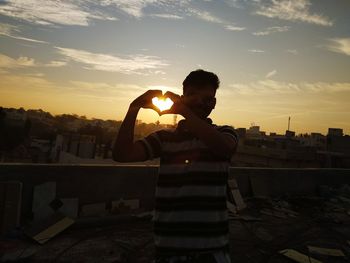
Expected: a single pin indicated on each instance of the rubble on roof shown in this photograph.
(315, 227)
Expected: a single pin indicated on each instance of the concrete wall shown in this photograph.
(104, 183)
(287, 181)
(91, 184)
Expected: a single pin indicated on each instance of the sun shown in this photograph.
(162, 104)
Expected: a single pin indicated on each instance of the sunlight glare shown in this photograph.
(162, 104)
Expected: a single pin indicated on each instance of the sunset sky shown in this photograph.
(274, 58)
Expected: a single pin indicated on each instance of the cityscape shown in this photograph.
(36, 136)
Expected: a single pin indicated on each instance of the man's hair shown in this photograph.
(201, 78)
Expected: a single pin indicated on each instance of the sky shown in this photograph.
(275, 59)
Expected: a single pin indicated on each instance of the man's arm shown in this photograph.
(124, 149)
(220, 143)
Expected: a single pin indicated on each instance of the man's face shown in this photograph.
(200, 100)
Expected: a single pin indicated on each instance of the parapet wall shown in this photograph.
(88, 183)
(287, 181)
(104, 183)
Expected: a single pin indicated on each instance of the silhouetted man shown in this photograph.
(191, 219)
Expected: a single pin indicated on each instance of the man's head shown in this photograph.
(199, 89)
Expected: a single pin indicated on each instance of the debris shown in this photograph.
(286, 211)
(123, 244)
(344, 199)
(273, 213)
(326, 251)
(282, 204)
(251, 218)
(236, 194)
(298, 257)
(46, 229)
(56, 204)
(44, 194)
(122, 206)
(263, 234)
(345, 190)
(69, 207)
(326, 191)
(246, 218)
(20, 254)
(97, 209)
(10, 205)
(231, 208)
(260, 186)
(146, 215)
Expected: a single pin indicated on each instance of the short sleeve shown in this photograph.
(153, 145)
(229, 131)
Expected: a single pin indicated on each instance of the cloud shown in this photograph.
(278, 87)
(12, 32)
(56, 64)
(208, 17)
(271, 74)
(180, 45)
(292, 51)
(82, 12)
(164, 89)
(135, 64)
(51, 12)
(241, 3)
(131, 7)
(264, 86)
(10, 63)
(167, 16)
(102, 90)
(340, 45)
(37, 83)
(234, 28)
(256, 51)
(292, 10)
(159, 72)
(270, 30)
(180, 10)
(7, 62)
(169, 9)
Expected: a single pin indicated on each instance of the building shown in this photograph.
(335, 132)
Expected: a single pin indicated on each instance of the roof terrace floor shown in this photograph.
(257, 234)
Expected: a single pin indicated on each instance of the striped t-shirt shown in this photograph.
(190, 210)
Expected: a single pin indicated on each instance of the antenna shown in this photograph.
(174, 119)
(288, 123)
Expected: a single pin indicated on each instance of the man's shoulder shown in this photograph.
(164, 133)
(166, 130)
(224, 126)
(228, 129)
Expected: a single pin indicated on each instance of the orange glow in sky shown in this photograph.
(275, 59)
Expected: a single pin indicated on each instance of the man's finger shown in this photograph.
(156, 109)
(156, 93)
(171, 95)
(166, 112)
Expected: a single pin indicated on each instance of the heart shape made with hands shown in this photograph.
(162, 103)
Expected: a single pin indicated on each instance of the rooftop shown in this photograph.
(286, 209)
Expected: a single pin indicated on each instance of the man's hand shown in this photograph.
(124, 149)
(179, 107)
(145, 100)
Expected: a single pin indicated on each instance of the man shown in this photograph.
(191, 219)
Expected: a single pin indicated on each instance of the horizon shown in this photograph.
(262, 129)
(274, 59)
